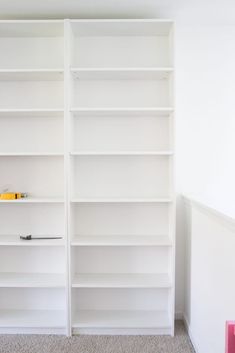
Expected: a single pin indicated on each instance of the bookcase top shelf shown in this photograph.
(121, 27)
(31, 28)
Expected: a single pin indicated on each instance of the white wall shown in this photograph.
(210, 280)
(205, 105)
(205, 123)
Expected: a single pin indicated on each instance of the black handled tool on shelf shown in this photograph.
(29, 237)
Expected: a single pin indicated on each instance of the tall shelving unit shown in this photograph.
(87, 111)
(121, 176)
(32, 273)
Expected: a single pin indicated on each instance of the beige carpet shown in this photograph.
(97, 344)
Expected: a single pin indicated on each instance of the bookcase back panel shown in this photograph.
(120, 133)
(35, 219)
(32, 259)
(31, 134)
(120, 299)
(32, 299)
(119, 219)
(122, 93)
(31, 53)
(121, 260)
(31, 94)
(35, 176)
(121, 176)
(121, 51)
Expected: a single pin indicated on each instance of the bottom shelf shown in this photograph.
(121, 319)
(86, 321)
(32, 318)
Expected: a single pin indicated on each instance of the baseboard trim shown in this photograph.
(187, 326)
(120, 331)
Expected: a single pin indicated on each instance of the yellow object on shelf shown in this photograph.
(12, 195)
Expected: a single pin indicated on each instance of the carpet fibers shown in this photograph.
(97, 344)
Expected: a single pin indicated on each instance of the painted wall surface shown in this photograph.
(205, 124)
(205, 106)
(210, 284)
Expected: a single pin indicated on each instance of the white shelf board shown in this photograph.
(14, 240)
(32, 318)
(121, 319)
(31, 154)
(133, 73)
(121, 153)
(121, 280)
(31, 74)
(31, 280)
(109, 112)
(121, 27)
(31, 112)
(31, 28)
(118, 240)
(35, 200)
(121, 200)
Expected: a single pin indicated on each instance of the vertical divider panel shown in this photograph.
(172, 209)
(71, 169)
(67, 120)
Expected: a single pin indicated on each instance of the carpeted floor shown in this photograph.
(97, 344)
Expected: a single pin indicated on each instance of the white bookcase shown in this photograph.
(87, 122)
